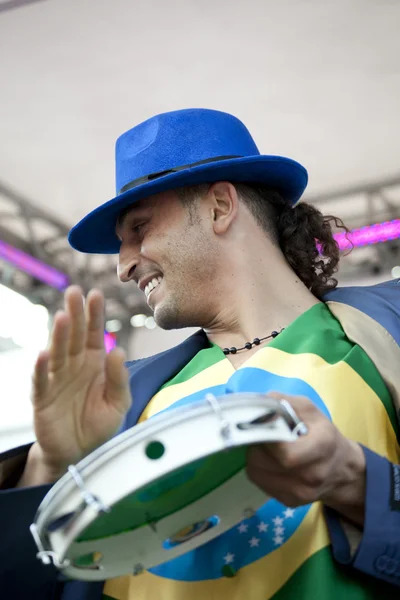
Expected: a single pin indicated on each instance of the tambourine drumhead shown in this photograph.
(167, 494)
(166, 486)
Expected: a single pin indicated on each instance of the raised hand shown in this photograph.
(80, 394)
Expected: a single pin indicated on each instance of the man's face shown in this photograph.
(171, 254)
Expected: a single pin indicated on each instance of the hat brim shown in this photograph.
(95, 233)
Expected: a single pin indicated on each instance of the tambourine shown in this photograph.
(160, 489)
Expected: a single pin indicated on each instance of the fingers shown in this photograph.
(74, 308)
(307, 449)
(76, 328)
(286, 457)
(58, 349)
(292, 455)
(303, 407)
(86, 322)
(95, 320)
(40, 377)
(305, 470)
(290, 491)
(117, 390)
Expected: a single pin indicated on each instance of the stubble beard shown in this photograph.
(187, 302)
(175, 312)
(166, 315)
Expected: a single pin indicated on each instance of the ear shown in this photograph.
(224, 205)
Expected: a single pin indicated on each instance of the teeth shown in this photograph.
(152, 284)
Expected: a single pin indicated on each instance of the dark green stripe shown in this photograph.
(321, 578)
(105, 597)
(203, 359)
(358, 360)
(333, 346)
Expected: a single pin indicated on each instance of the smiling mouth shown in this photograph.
(152, 285)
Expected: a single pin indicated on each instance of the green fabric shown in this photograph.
(329, 581)
(203, 359)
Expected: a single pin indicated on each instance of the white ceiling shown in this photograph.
(317, 81)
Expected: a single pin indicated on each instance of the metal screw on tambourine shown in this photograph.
(248, 513)
(225, 425)
(47, 556)
(88, 497)
(299, 427)
(138, 569)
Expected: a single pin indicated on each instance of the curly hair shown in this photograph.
(303, 233)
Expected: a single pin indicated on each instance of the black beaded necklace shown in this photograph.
(249, 345)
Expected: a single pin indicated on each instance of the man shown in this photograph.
(211, 232)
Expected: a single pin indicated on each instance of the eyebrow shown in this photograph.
(127, 211)
(131, 209)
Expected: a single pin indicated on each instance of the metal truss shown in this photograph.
(44, 236)
(380, 201)
(7, 5)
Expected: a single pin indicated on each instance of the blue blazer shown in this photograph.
(22, 576)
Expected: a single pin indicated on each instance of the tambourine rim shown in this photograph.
(224, 424)
(171, 415)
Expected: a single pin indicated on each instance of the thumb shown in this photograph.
(303, 407)
(117, 390)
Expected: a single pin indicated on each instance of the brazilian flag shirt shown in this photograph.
(279, 553)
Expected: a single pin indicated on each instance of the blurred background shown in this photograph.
(316, 81)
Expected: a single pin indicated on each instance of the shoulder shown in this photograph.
(380, 302)
(189, 346)
(139, 363)
(388, 292)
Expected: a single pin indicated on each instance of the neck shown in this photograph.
(258, 299)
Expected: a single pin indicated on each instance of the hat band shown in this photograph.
(147, 178)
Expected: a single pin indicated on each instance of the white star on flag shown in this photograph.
(262, 527)
(254, 542)
(243, 528)
(279, 530)
(278, 540)
(277, 521)
(289, 512)
(229, 558)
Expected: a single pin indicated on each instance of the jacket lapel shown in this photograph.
(149, 374)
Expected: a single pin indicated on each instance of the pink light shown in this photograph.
(371, 234)
(34, 266)
(110, 341)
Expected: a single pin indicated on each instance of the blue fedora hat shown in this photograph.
(180, 148)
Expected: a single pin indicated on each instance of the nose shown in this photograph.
(125, 272)
(126, 266)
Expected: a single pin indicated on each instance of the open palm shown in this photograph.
(80, 394)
